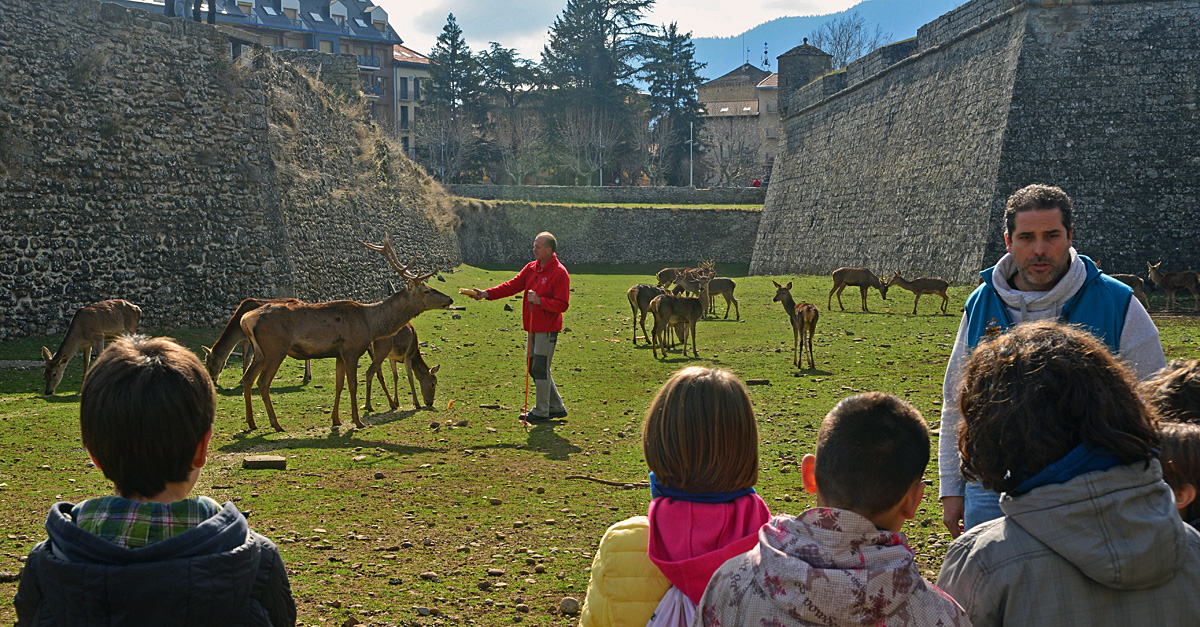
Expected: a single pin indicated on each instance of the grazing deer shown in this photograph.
(667, 276)
(1172, 281)
(920, 287)
(723, 286)
(804, 322)
(342, 329)
(640, 296)
(1138, 286)
(403, 346)
(216, 356)
(859, 277)
(90, 326)
(672, 311)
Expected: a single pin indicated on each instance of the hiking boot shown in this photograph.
(562, 413)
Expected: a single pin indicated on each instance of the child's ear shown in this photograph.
(912, 499)
(808, 473)
(1185, 495)
(201, 456)
(96, 463)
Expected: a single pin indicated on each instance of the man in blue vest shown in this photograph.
(1041, 277)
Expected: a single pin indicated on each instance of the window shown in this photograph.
(340, 20)
(326, 46)
(404, 118)
(269, 10)
(361, 24)
(290, 13)
(317, 17)
(403, 86)
(404, 143)
(416, 88)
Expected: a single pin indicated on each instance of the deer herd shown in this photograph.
(271, 329)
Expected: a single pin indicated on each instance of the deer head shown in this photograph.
(429, 386)
(54, 370)
(781, 291)
(416, 282)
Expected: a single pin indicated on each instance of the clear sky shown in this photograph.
(523, 24)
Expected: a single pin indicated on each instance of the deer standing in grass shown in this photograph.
(858, 277)
(342, 329)
(670, 312)
(723, 286)
(1137, 284)
(640, 296)
(920, 287)
(804, 322)
(216, 356)
(90, 327)
(404, 347)
(1170, 282)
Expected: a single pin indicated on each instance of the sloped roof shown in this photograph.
(805, 49)
(745, 74)
(770, 82)
(411, 58)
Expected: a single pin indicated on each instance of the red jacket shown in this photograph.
(551, 283)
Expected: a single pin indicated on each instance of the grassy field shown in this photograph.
(407, 516)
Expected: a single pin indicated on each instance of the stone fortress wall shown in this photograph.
(905, 159)
(138, 161)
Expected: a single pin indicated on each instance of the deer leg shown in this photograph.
(634, 315)
(795, 343)
(915, 301)
(247, 387)
(264, 387)
(647, 335)
(247, 355)
(352, 380)
(411, 386)
(340, 380)
(87, 356)
(862, 292)
(945, 301)
(307, 371)
(736, 307)
(812, 330)
(692, 329)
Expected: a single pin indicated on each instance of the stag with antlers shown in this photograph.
(90, 327)
(342, 329)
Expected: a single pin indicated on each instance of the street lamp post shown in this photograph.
(691, 139)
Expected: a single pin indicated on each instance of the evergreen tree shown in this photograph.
(449, 143)
(674, 80)
(453, 72)
(505, 77)
(593, 47)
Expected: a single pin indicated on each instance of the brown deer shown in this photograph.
(859, 277)
(90, 326)
(723, 286)
(667, 276)
(920, 287)
(216, 356)
(672, 311)
(804, 322)
(342, 329)
(405, 347)
(1172, 281)
(693, 282)
(640, 296)
(1137, 284)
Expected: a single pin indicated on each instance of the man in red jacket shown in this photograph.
(547, 290)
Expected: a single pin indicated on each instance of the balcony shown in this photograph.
(372, 91)
(366, 62)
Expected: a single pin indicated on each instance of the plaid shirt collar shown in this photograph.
(133, 524)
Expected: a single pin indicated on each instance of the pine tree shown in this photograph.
(504, 76)
(674, 79)
(453, 72)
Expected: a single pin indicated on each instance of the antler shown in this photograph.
(390, 254)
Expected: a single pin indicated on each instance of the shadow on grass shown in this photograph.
(347, 436)
(275, 389)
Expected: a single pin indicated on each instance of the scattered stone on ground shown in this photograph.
(495, 572)
(569, 606)
(271, 462)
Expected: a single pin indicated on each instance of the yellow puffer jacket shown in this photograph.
(625, 585)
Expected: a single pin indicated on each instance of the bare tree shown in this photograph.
(586, 137)
(731, 153)
(848, 38)
(520, 139)
(446, 143)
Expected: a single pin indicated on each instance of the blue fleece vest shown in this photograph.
(1099, 306)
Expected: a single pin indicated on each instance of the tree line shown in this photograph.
(575, 118)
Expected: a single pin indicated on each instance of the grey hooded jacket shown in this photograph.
(1105, 548)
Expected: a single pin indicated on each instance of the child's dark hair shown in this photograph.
(1174, 391)
(1179, 450)
(144, 408)
(700, 435)
(870, 450)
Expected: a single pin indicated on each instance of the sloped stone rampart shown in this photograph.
(490, 233)
(138, 161)
(910, 169)
(614, 194)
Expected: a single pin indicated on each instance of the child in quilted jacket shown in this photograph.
(700, 441)
(843, 562)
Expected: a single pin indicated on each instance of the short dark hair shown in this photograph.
(1179, 450)
(1037, 198)
(144, 407)
(1033, 394)
(871, 448)
(549, 237)
(700, 434)
(1174, 391)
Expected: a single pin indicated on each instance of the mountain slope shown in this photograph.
(901, 18)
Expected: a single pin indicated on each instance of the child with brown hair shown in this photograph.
(150, 555)
(1179, 450)
(843, 562)
(700, 440)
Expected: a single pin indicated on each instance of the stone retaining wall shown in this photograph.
(614, 194)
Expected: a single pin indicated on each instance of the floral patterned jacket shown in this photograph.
(825, 567)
